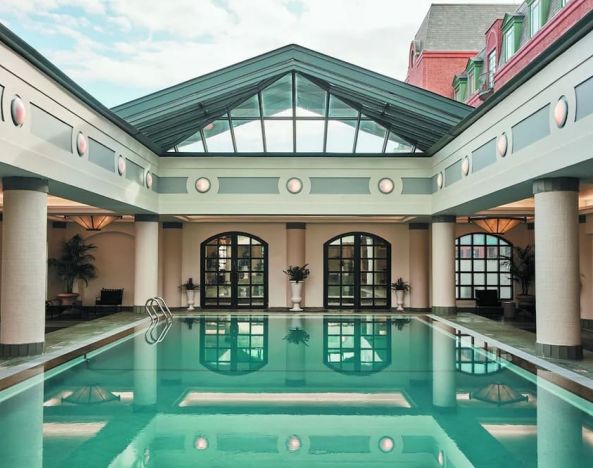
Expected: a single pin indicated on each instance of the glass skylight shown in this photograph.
(295, 115)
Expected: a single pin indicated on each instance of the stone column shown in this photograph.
(444, 393)
(24, 266)
(295, 252)
(557, 268)
(145, 374)
(172, 233)
(146, 272)
(419, 281)
(443, 265)
(559, 428)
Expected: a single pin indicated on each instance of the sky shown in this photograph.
(122, 49)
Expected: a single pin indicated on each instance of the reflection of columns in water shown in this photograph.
(419, 350)
(295, 355)
(443, 366)
(559, 428)
(145, 373)
(21, 426)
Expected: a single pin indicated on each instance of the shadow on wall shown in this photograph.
(115, 265)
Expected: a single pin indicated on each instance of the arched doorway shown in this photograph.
(357, 272)
(234, 271)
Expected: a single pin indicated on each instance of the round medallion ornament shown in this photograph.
(202, 185)
(294, 185)
(440, 180)
(561, 112)
(386, 185)
(81, 144)
(386, 444)
(502, 145)
(121, 165)
(18, 111)
(293, 443)
(465, 165)
(149, 180)
(201, 443)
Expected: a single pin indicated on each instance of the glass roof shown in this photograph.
(294, 115)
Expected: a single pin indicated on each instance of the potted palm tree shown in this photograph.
(190, 291)
(74, 263)
(400, 287)
(521, 269)
(296, 275)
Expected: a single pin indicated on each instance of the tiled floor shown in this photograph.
(508, 337)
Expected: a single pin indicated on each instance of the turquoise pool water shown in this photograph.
(272, 390)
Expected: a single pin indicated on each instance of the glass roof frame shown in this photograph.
(350, 114)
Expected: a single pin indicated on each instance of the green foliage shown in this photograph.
(297, 336)
(297, 273)
(521, 266)
(190, 285)
(400, 285)
(75, 262)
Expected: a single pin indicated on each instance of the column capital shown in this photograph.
(25, 183)
(444, 219)
(296, 226)
(556, 184)
(146, 218)
(172, 225)
(418, 226)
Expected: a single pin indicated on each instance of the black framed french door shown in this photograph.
(234, 271)
(357, 272)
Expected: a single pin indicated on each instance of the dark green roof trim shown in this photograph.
(20, 47)
(170, 115)
(583, 27)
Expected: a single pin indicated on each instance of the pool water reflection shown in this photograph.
(311, 390)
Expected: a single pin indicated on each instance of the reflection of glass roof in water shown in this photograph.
(294, 115)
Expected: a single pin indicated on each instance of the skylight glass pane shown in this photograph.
(279, 136)
(192, 145)
(310, 98)
(309, 136)
(249, 108)
(340, 136)
(395, 144)
(339, 108)
(371, 137)
(277, 98)
(248, 136)
(218, 137)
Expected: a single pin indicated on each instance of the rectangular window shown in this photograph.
(471, 83)
(535, 15)
(491, 68)
(509, 44)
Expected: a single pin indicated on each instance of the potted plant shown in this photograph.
(521, 269)
(296, 275)
(74, 263)
(401, 288)
(297, 336)
(190, 291)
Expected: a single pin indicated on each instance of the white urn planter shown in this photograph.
(191, 298)
(399, 299)
(296, 289)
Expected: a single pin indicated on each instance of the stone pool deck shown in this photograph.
(521, 343)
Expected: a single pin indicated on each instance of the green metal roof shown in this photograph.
(169, 117)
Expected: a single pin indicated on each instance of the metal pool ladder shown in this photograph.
(155, 314)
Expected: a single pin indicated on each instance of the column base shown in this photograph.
(444, 310)
(574, 352)
(21, 349)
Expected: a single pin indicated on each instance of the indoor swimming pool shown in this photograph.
(253, 390)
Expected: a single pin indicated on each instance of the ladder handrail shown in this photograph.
(153, 313)
(149, 309)
(164, 307)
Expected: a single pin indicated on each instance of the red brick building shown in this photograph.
(448, 36)
(514, 36)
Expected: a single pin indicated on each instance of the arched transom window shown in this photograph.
(480, 264)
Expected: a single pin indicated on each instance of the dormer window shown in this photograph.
(491, 68)
(509, 43)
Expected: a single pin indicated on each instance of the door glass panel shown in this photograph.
(357, 272)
